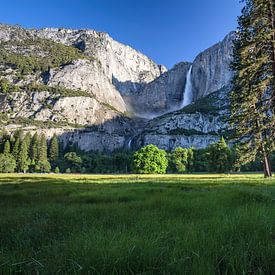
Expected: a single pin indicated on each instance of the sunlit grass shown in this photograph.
(137, 224)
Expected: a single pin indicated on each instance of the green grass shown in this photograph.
(105, 224)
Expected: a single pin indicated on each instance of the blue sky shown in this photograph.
(168, 31)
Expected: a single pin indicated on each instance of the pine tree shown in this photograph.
(34, 148)
(252, 114)
(15, 149)
(54, 151)
(23, 161)
(42, 164)
(7, 147)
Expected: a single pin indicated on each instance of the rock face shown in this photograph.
(126, 68)
(117, 94)
(211, 69)
(197, 125)
(162, 95)
(87, 76)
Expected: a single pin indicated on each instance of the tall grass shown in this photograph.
(191, 224)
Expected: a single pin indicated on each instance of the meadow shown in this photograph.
(133, 224)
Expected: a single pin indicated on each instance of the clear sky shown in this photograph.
(168, 31)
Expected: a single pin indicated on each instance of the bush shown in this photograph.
(150, 160)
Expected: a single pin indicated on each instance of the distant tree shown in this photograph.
(34, 148)
(15, 148)
(150, 160)
(73, 161)
(179, 160)
(54, 151)
(42, 164)
(7, 163)
(23, 160)
(253, 95)
(7, 147)
(219, 157)
(201, 159)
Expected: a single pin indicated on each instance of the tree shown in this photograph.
(7, 147)
(42, 164)
(219, 157)
(23, 161)
(34, 148)
(150, 160)
(252, 98)
(179, 160)
(7, 163)
(73, 161)
(15, 149)
(54, 151)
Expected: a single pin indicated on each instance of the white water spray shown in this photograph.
(188, 94)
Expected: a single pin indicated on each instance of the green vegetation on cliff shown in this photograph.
(37, 55)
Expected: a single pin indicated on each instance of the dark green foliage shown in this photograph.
(42, 164)
(201, 160)
(23, 160)
(54, 151)
(150, 160)
(73, 162)
(34, 147)
(252, 114)
(15, 148)
(219, 159)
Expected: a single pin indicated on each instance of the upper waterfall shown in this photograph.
(188, 94)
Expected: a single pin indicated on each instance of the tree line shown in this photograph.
(23, 152)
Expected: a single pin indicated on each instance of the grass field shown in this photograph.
(190, 224)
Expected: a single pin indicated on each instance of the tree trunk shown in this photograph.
(266, 163)
(272, 24)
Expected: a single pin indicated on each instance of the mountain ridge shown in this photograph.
(108, 85)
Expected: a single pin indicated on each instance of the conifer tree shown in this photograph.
(42, 164)
(15, 149)
(252, 109)
(54, 151)
(7, 147)
(23, 161)
(34, 148)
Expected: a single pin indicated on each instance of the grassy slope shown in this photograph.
(192, 224)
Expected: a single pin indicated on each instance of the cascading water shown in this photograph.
(188, 94)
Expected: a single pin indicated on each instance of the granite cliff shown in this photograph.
(103, 95)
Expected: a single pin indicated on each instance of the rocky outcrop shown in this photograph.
(211, 68)
(125, 67)
(87, 76)
(162, 95)
(197, 125)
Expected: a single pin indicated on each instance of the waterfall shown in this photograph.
(130, 143)
(188, 94)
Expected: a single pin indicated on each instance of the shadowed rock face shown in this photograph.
(116, 81)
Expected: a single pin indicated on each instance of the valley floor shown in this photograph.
(132, 224)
